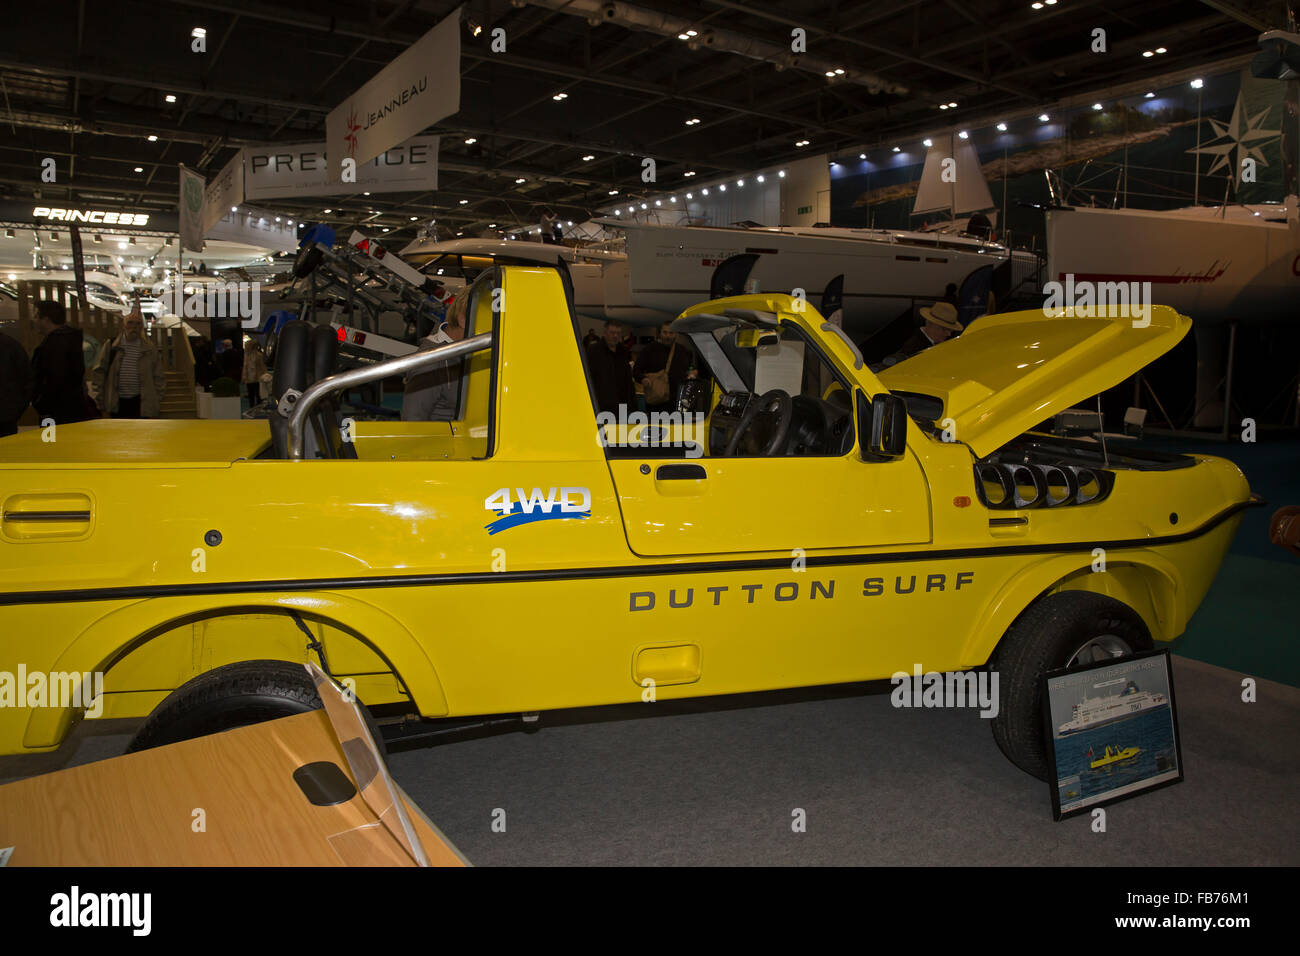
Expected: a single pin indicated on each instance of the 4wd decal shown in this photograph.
(535, 505)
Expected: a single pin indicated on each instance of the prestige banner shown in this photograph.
(416, 90)
(274, 172)
(191, 210)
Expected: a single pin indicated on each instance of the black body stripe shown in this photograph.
(621, 571)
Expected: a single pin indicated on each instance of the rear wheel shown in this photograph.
(236, 695)
(1067, 629)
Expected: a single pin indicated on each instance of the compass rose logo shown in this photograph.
(1243, 134)
(353, 126)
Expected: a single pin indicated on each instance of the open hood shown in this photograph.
(1006, 373)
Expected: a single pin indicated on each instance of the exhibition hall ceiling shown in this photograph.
(574, 96)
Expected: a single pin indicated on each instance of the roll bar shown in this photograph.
(302, 403)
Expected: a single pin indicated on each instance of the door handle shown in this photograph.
(680, 473)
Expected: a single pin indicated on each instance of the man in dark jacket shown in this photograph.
(59, 367)
(610, 366)
(654, 358)
(15, 383)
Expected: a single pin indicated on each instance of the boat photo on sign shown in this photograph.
(1113, 732)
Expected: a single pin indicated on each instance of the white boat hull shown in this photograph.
(1212, 268)
(670, 267)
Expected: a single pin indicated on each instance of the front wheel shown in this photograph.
(1067, 629)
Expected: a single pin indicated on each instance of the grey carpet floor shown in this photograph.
(718, 783)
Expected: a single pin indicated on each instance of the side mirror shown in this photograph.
(882, 427)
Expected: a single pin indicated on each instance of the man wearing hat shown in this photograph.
(940, 323)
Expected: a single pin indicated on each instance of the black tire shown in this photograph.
(1046, 636)
(236, 695)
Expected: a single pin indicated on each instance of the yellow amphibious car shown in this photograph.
(803, 522)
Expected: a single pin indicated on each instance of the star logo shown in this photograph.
(1243, 134)
(353, 126)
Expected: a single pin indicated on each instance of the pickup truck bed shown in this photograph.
(125, 442)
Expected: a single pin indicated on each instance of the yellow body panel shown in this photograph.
(769, 573)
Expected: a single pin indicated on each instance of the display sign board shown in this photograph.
(190, 204)
(256, 227)
(224, 192)
(273, 172)
(416, 90)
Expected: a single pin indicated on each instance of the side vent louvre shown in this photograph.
(1009, 486)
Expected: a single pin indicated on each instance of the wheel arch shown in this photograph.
(1143, 580)
(101, 646)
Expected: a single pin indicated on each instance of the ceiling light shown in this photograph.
(1043, 117)
(692, 33)
(1050, 3)
(520, 180)
(1161, 49)
(560, 96)
(1036, 6)
(682, 36)
(704, 191)
(170, 97)
(139, 169)
(943, 106)
(277, 218)
(1150, 95)
(570, 222)
(689, 173)
(781, 174)
(234, 209)
(1096, 106)
(616, 212)
(643, 205)
(1002, 127)
(328, 211)
(291, 222)
(658, 203)
(839, 71)
(801, 143)
(1197, 83)
(898, 149)
(692, 121)
(613, 192)
(492, 225)
(690, 195)
(963, 135)
(722, 187)
(588, 158)
(1148, 53)
(464, 202)
(952, 106)
(471, 140)
(631, 208)
(198, 32)
(740, 183)
(831, 74)
(926, 143)
(413, 218)
(153, 139)
(385, 229)
(760, 178)
(862, 155)
(365, 194)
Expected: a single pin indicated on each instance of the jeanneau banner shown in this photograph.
(416, 90)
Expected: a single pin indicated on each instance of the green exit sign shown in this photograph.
(804, 209)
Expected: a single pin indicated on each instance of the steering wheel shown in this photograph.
(774, 404)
